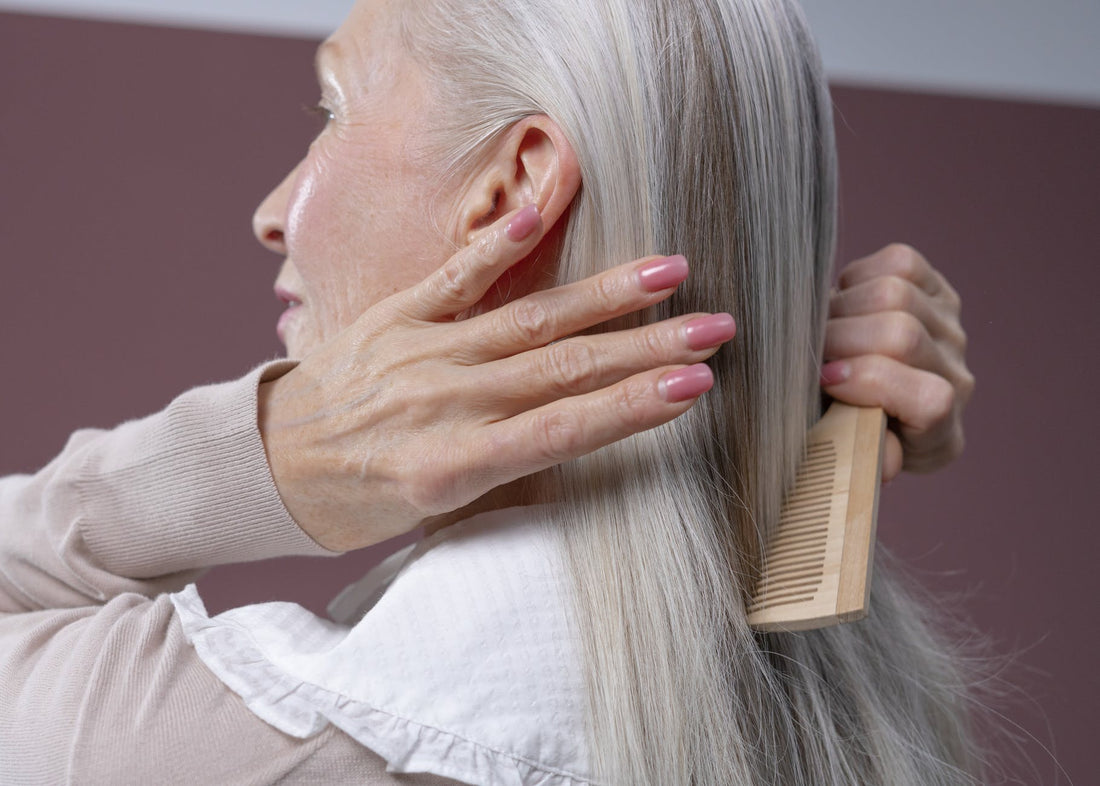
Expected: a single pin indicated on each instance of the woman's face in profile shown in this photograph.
(352, 217)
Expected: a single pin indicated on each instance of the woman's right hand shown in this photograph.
(413, 412)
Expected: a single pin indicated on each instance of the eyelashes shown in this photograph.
(319, 111)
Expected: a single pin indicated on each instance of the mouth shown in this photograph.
(293, 302)
(289, 299)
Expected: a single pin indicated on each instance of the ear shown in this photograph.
(531, 163)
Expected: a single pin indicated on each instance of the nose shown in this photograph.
(269, 220)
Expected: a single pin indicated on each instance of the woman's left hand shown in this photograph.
(894, 340)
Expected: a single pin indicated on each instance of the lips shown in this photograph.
(293, 303)
(289, 298)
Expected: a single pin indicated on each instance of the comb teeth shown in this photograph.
(796, 551)
(817, 564)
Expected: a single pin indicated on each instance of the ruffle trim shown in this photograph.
(302, 709)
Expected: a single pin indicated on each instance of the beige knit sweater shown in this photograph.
(97, 683)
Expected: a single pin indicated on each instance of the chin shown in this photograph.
(291, 349)
(297, 345)
(299, 349)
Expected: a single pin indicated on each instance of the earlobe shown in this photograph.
(532, 163)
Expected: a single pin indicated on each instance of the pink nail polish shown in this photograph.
(662, 273)
(834, 373)
(523, 223)
(686, 383)
(709, 331)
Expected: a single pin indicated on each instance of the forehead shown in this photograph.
(369, 22)
(366, 46)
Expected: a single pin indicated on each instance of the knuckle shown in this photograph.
(570, 365)
(631, 401)
(656, 345)
(892, 293)
(486, 248)
(950, 296)
(559, 435)
(904, 259)
(606, 294)
(453, 283)
(966, 386)
(866, 371)
(530, 321)
(939, 400)
(905, 335)
(873, 373)
(956, 336)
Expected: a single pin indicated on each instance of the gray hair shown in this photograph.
(703, 127)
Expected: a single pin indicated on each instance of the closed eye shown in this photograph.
(319, 110)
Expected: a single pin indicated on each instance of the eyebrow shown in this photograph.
(325, 51)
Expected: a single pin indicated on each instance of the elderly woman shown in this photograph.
(445, 240)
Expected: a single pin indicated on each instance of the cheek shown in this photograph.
(358, 231)
(320, 238)
(307, 209)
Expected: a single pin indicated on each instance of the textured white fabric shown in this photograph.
(464, 666)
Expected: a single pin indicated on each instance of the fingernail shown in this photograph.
(523, 223)
(686, 383)
(663, 273)
(834, 373)
(709, 331)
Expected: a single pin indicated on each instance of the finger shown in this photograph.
(894, 334)
(573, 427)
(923, 405)
(465, 278)
(902, 337)
(584, 364)
(550, 314)
(919, 399)
(892, 457)
(891, 293)
(881, 293)
(898, 260)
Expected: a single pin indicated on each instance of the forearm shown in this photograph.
(143, 508)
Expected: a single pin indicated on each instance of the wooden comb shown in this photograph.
(816, 569)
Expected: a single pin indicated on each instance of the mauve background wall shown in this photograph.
(132, 158)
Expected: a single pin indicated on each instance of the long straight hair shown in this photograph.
(702, 127)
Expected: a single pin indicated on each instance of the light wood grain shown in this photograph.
(816, 568)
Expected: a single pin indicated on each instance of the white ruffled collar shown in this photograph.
(463, 663)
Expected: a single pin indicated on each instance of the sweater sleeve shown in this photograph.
(98, 684)
(114, 694)
(145, 507)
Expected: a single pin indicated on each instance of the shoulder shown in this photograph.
(466, 667)
(115, 694)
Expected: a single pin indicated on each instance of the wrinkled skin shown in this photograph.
(405, 408)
